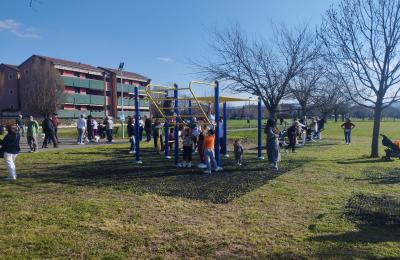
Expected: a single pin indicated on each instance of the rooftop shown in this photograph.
(10, 66)
(127, 74)
(72, 64)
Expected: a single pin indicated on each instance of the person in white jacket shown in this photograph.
(81, 127)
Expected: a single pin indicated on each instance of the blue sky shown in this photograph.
(154, 38)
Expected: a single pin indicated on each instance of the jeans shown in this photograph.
(80, 135)
(347, 136)
(109, 133)
(10, 165)
(49, 136)
(56, 133)
(148, 135)
(133, 143)
(210, 159)
(32, 142)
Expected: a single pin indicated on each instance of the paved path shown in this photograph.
(70, 143)
(66, 143)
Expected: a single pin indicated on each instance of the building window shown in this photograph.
(77, 90)
(26, 71)
(11, 92)
(61, 72)
(131, 82)
(10, 76)
(77, 74)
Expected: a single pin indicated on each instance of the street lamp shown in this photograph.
(122, 117)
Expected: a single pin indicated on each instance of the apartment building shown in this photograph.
(88, 90)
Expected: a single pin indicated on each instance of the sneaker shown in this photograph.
(189, 165)
(10, 178)
(131, 152)
(201, 166)
(285, 150)
(218, 169)
(294, 151)
(207, 172)
(184, 164)
(240, 164)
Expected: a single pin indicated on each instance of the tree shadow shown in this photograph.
(380, 176)
(362, 161)
(158, 175)
(377, 219)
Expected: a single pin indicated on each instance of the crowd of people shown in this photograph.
(196, 137)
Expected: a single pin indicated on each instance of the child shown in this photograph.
(272, 134)
(200, 149)
(209, 152)
(187, 148)
(238, 149)
(131, 134)
(348, 126)
(292, 132)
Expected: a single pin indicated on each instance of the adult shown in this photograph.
(10, 147)
(95, 129)
(321, 126)
(48, 129)
(157, 136)
(221, 136)
(56, 122)
(141, 127)
(81, 128)
(147, 128)
(131, 133)
(89, 125)
(348, 127)
(31, 134)
(272, 134)
(20, 124)
(109, 124)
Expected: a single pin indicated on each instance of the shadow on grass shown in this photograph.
(157, 175)
(382, 176)
(362, 160)
(377, 218)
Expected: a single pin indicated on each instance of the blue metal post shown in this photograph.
(225, 128)
(259, 128)
(137, 141)
(176, 130)
(166, 135)
(190, 111)
(216, 106)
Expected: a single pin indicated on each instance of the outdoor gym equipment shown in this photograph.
(193, 101)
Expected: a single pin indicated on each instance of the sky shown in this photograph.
(155, 38)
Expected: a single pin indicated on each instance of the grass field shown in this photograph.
(328, 200)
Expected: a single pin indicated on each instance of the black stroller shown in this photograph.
(392, 149)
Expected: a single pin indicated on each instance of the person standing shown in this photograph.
(56, 122)
(187, 148)
(109, 128)
(272, 143)
(141, 127)
(10, 147)
(48, 129)
(81, 127)
(238, 151)
(31, 134)
(292, 133)
(221, 136)
(131, 134)
(95, 129)
(20, 124)
(147, 128)
(348, 127)
(209, 152)
(89, 125)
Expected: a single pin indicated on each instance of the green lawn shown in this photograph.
(328, 200)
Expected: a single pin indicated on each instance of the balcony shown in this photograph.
(84, 83)
(96, 100)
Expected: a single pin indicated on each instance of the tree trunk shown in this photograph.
(376, 128)
(336, 117)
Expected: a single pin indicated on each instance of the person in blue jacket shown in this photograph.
(10, 147)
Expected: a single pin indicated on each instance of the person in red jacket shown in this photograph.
(56, 122)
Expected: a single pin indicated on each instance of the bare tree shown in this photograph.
(259, 67)
(362, 42)
(44, 87)
(305, 86)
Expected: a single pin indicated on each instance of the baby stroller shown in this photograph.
(392, 149)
